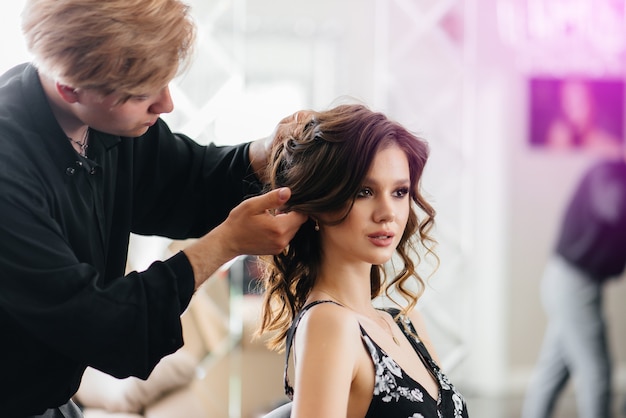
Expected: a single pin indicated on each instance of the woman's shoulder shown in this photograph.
(329, 312)
(330, 320)
(421, 329)
(417, 319)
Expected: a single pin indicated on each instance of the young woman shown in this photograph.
(356, 174)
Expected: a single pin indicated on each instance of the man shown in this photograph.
(85, 161)
(590, 250)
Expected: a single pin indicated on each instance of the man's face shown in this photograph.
(131, 118)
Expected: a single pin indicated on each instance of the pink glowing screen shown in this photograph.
(576, 113)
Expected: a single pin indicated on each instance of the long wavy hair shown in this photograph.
(324, 162)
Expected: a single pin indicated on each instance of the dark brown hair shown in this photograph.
(324, 162)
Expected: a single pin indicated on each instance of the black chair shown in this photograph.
(283, 411)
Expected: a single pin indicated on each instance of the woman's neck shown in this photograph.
(349, 288)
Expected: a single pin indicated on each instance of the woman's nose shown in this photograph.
(385, 211)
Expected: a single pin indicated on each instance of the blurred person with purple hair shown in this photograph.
(590, 250)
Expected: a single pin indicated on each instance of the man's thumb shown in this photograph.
(284, 193)
(275, 199)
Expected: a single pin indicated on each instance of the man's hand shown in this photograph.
(257, 226)
(261, 149)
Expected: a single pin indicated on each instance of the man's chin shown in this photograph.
(126, 133)
(136, 132)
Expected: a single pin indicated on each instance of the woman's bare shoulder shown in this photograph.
(330, 319)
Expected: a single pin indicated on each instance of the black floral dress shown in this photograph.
(396, 394)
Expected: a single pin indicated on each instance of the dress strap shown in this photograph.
(289, 342)
(408, 329)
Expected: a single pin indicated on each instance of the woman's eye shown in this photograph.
(364, 193)
(403, 191)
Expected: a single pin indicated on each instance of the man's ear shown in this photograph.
(69, 94)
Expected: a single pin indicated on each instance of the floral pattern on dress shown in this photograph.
(457, 398)
(397, 396)
(389, 380)
(386, 372)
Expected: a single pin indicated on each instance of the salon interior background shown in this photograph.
(457, 72)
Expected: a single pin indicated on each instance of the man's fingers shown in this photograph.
(272, 201)
(290, 124)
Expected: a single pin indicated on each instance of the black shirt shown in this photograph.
(65, 222)
(593, 231)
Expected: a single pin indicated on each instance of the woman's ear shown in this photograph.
(69, 94)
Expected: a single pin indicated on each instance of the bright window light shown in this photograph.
(13, 50)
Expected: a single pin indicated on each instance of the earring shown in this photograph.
(317, 226)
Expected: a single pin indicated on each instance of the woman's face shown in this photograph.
(373, 228)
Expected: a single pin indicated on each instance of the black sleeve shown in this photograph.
(53, 303)
(183, 189)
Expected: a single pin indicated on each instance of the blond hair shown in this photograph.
(112, 46)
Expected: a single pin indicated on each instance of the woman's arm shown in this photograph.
(326, 350)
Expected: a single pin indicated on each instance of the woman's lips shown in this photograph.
(381, 239)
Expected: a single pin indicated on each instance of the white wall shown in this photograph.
(12, 49)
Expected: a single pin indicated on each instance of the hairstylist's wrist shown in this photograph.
(208, 254)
